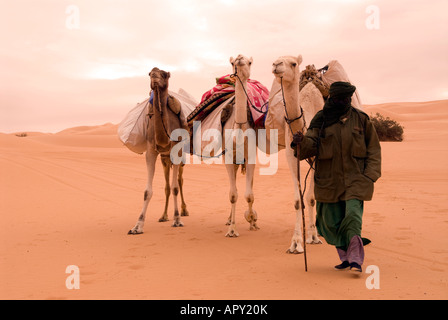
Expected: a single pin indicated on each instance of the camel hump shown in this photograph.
(174, 104)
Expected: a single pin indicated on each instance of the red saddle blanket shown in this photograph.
(258, 95)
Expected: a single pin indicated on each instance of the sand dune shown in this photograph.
(69, 199)
(105, 129)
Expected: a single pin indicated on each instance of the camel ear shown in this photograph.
(168, 75)
(232, 60)
(299, 59)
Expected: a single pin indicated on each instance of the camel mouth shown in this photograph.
(158, 84)
(241, 61)
(278, 73)
(278, 69)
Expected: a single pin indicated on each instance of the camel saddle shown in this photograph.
(172, 102)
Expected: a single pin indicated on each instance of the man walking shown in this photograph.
(348, 162)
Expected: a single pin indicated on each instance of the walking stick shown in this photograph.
(302, 206)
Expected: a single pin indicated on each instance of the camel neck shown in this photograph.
(240, 101)
(160, 117)
(160, 96)
(291, 94)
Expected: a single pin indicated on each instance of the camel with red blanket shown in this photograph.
(234, 109)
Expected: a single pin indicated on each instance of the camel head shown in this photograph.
(241, 66)
(287, 68)
(159, 79)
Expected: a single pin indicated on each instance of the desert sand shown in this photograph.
(70, 198)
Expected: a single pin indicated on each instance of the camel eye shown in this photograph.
(294, 64)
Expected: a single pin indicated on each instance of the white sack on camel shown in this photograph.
(132, 130)
(335, 73)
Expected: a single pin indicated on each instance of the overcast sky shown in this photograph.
(75, 62)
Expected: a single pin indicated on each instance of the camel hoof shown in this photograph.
(254, 227)
(232, 234)
(163, 219)
(184, 213)
(251, 217)
(314, 241)
(295, 247)
(177, 224)
(295, 251)
(134, 232)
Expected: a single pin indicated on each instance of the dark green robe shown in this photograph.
(348, 158)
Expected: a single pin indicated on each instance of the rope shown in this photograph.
(248, 99)
(290, 121)
(161, 114)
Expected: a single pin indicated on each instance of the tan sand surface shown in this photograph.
(70, 198)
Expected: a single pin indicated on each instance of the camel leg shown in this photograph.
(166, 162)
(180, 179)
(297, 238)
(312, 236)
(230, 194)
(251, 214)
(151, 157)
(175, 190)
(233, 196)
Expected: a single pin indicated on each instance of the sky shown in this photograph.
(67, 63)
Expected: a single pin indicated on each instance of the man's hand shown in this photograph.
(296, 139)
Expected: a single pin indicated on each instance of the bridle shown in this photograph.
(287, 119)
(289, 122)
(260, 110)
(161, 112)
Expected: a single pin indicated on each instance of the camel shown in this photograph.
(300, 106)
(164, 116)
(239, 120)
